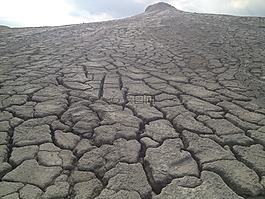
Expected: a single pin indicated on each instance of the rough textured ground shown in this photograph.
(162, 105)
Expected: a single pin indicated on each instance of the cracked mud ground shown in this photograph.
(162, 105)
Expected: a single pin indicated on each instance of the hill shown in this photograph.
(165, 104)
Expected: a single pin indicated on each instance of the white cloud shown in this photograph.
(244, 4)
(141, 1)
(238, 3)
(236, 7)
(182, 4)
(60, 12)
(44, 12)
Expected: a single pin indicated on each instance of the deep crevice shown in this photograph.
(120, 80)
(10, 144)
(101, 88)
(85, 70)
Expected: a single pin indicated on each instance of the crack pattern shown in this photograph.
(164, 104)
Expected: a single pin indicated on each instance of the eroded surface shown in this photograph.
(165, 104)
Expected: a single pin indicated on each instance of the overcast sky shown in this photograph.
(25, 13)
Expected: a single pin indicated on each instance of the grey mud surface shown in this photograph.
(162, 105)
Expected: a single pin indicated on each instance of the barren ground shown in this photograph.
(162, 105)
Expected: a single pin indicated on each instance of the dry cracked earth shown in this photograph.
(162, 105)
